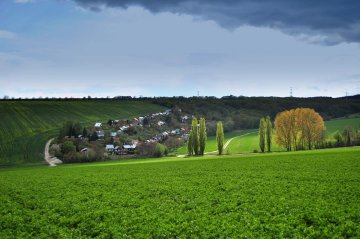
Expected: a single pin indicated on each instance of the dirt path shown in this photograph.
(229, 141)
(52, 161)
(225, 145)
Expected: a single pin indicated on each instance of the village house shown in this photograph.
(98, 125)
(129, 148)
(184, 118)
(110, 147)
(167, 112)
(100, 134)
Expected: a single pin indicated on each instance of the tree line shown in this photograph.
(196, 143)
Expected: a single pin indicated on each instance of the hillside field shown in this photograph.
(312, 194)
(25, 126)
(245, 141)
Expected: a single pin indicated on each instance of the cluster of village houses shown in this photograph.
(126, 124)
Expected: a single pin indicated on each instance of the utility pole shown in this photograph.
(291, 92)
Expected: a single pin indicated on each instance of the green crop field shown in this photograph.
(313, 194)
(25, 126)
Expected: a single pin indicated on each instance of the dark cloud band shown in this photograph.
(320, 21)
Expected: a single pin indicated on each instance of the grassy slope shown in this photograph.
(300, 194)
(26, 125)
(340, 124)
(250, 142)
(211, 141)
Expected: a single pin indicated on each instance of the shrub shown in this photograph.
(68, 147)
(160, 150)
(72, 157)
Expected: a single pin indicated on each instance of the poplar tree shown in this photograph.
(202, 136)
(190, 144)
(262, 130)
(195, 135)
(220, 137)
(268, 133)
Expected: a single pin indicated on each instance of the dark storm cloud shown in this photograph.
(325, 22)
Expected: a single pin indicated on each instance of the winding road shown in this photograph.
(52, 161)
(225, 145)
(229, 141)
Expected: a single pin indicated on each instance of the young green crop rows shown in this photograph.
(312, 194)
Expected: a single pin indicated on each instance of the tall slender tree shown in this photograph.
(347, 136)
(262, 131)
(269, 129)
(220, 137)
(202, 136)
(190, 144)
(195, 135)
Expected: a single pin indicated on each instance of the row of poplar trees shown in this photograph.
(265, 134)
(197, 138)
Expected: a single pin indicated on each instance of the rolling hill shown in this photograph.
(25, 126)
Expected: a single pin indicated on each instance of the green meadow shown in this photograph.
(25, 126)
(308, 194)
(248, 140)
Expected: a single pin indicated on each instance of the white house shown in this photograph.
(100, 134)
(98, 125)
(110, 147)
(161, 123)
(184, 118)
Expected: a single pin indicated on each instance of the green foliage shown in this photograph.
(160, 150)
(202, 136)
(268, 132)
(195, 135)
(25, 126)
(248, 140)
(347, 136)
(67, 147)
(70, 129)
(220, 137)
(85, 132)
(313, 194)
(244, 112)
(262, 134)
(339, 140)
(190, 145)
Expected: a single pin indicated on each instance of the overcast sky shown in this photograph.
(53, 48)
